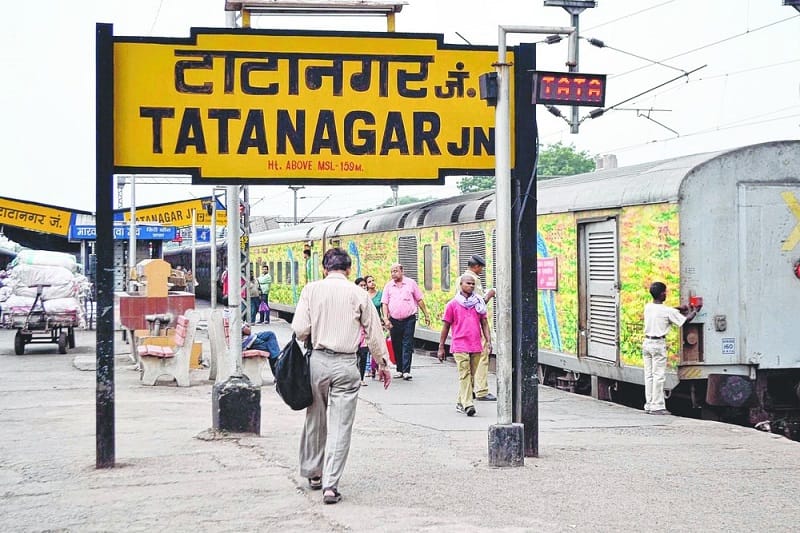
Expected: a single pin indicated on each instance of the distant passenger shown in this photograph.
(254, 291)
(376, 296)
(308, 265)
(465, 316)
(374, 293)
(475, 266)
(363, 349)
(658, 319)
(265, 282)
(400, 301)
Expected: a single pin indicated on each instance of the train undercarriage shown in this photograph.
(771, 402)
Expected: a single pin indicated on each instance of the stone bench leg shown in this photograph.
(252, 368)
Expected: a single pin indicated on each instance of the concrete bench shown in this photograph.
(171, 356)
(253, 361)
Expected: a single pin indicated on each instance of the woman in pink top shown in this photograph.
(465, 316)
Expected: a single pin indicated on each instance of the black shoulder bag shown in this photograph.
(293, 375)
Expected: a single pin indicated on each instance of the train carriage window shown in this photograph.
(427, 266)
(272, 268)
(280, 273)
(296, 272)
(288, 271)
(407, 255)
(469, 243)
(445, 268)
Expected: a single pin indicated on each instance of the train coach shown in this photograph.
(723, 227)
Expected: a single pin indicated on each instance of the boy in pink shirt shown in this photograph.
(465, 315)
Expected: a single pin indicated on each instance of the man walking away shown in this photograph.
(658, 319)
(330, 314)
(400, 300)
(475, 266)
(466, 316)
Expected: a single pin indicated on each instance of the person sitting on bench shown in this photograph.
(264, 340)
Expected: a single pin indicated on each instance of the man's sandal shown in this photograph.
(333, 497)
(315, 483)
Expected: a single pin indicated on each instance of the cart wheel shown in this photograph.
(19, 343)
(71, 337)
(62, 343)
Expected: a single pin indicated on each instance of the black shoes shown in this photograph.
(488, 398)
(469, 411)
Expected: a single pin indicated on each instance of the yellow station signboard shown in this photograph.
(35, 217)
(234, 106)
(178, 214)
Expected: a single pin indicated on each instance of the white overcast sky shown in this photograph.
(748, 93)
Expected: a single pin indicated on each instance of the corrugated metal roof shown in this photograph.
(646, 183)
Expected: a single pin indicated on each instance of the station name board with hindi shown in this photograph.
(278, 107)
(150, 233)
(35, 217)
(175, 214)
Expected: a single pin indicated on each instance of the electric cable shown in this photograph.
(731, 126)
(623, 17)
(708, 45)
(155, 20)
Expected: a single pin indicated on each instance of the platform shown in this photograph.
(415, 463)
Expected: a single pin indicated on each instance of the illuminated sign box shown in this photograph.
(569, 88)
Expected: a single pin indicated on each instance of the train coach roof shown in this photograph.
(646, 183)
(302, 232)
(430, 213)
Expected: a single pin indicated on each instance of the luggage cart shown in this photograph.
(38, 326)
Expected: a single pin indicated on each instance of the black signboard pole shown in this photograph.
(523, 252)
(104, 144)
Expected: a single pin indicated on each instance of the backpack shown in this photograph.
(293, 375)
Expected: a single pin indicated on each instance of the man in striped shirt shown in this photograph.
(330, 315)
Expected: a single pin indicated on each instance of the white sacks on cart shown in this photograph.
(47, 258)
(57, 282)
(51, 275)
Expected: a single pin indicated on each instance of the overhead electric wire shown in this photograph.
(155, 20)
(730, 126)
(708, 45)
(723, 75)
(623, 17)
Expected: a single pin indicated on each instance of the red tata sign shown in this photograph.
(547, 273)
(569, 88)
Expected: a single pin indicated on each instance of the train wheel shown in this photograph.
(19, 343)
(62, 343)
(71, 337)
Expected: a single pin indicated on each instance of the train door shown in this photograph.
(599, 282)
(769, 222)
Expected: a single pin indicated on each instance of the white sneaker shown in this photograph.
(398, 375)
